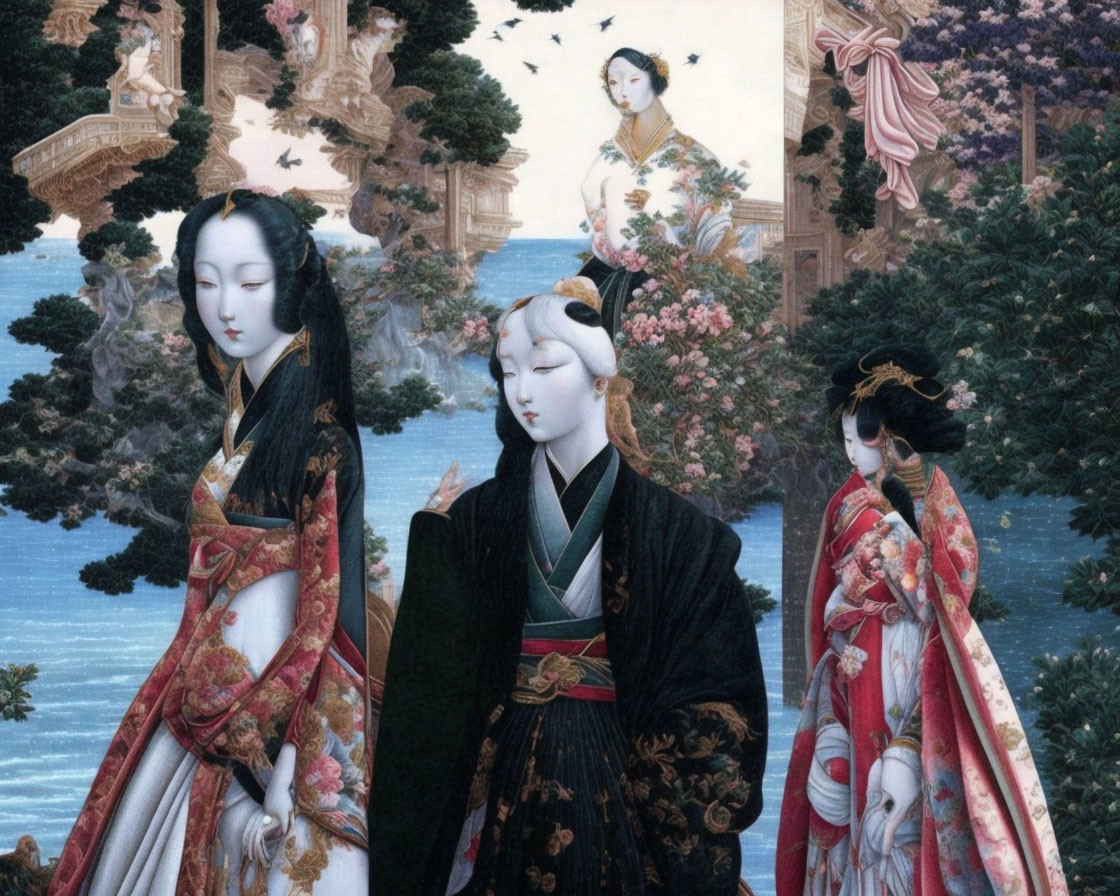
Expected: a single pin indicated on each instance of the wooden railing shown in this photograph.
(66, 148)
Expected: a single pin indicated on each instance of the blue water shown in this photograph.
(93, 650)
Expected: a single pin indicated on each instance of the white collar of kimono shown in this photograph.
(584, 596)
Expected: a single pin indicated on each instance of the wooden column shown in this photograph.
(210, 22)
(454, 238)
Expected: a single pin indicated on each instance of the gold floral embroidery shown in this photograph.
(545, 882)
(559, 840)
(1010, 735)
(480, 783)
(306, 868)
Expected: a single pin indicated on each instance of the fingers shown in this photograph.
(636, 199)
(262, 835)
(449, 488)
(895, 813)
(449, 477)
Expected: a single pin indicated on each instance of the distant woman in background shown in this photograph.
(242, 766)
(648, 166)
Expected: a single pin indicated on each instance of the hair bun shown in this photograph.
(580, 288)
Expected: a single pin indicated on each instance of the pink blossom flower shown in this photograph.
(324, 778)
(683, 380)
(476, 330)
(387, 268)
(633, 261)
(378, 571)
(695, 470)
(279, 13)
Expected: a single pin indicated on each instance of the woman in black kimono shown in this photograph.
(574, 699)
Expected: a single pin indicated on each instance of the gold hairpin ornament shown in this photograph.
(229, 206)
(881, 375)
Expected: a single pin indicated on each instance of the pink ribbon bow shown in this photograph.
(892, 99)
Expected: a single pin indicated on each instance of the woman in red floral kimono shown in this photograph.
(910, 772)
(242, 766)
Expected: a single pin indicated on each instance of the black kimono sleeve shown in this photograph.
(425, 750)
(691, 695)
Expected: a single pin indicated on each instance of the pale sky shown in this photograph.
(730, 100)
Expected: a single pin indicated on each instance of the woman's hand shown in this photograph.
(267, 827)
(893, 786)
(637, 199)
(449, 488)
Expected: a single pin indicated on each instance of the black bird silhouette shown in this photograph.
(285, 161)
(556, 37)
(693, 58)
(511, 23)
(606, 23)
(494, 35)
(530, 66)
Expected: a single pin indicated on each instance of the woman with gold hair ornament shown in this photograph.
(242, 765)
(910, 772)
(574, 699)
(647, 167)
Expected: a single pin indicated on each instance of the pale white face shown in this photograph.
(547, 386)
(864, 458)
(235, 288)
(630, 87)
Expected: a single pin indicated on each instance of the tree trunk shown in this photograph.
(806, 496)
(1030, 160)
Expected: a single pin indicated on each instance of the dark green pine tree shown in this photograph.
(36, 99)
(469, 112)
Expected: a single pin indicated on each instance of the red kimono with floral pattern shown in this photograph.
(311, 694)
(980, 823)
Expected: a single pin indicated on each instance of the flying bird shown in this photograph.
(530, 66)
(606, 23)
(693, 58)
(511, 23)
(494, 35)
(285, 161)
(556, 37)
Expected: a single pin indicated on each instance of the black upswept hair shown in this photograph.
(913, 410)
(276, 467)
(917, 413)
(638, 59)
